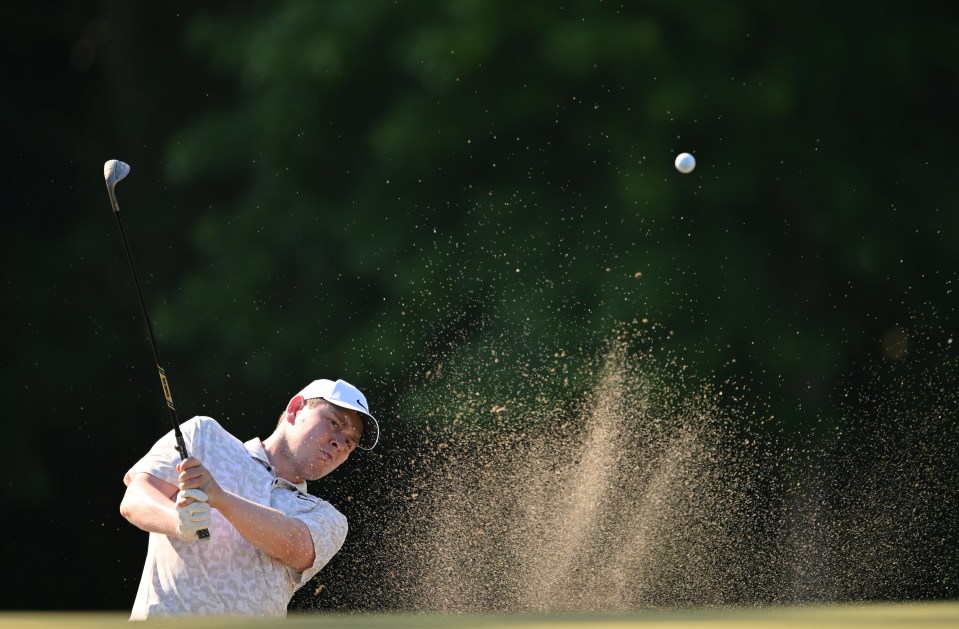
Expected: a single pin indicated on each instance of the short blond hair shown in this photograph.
(313, 402)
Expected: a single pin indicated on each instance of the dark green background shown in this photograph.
(353, 188)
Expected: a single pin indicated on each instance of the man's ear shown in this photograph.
(294, 407)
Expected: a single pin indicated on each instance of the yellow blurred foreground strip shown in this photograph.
(936, 615)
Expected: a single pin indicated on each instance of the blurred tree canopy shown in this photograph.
(374, 172)
(357, 189)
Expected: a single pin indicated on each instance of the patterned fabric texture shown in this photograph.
(226, 575)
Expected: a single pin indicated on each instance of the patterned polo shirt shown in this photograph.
(226, 575)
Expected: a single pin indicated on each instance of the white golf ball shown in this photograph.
(685, 163)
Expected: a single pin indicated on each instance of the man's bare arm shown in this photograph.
(275, 533)
(148, 504)
(278, 535)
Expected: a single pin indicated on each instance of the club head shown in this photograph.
(113, 171)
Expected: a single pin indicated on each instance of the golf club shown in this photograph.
(113, 172)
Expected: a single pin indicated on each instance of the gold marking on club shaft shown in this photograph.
(166, 387)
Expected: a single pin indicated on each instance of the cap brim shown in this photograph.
(371, 432)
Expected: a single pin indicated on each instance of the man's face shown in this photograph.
(321, 438)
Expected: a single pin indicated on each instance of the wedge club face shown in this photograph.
(113, 171)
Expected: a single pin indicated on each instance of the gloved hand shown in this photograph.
(193, 516)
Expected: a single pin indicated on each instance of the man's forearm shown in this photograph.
(148, 504)
(275, 533)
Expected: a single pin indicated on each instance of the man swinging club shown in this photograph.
(267, 535)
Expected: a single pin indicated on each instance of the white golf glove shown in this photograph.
(193, 517)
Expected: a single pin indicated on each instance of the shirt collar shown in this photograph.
(256, 450)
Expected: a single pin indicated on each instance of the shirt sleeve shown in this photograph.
(328, 528)
(163, 457)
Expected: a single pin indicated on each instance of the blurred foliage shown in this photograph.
(373, 189)
(378, 172)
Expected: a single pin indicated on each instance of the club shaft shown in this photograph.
(177, 433)
(180, 443)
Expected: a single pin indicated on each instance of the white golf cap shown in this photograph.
(344, 394)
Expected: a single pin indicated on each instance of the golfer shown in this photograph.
(268, 536)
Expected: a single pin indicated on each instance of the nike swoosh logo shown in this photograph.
(363, 405)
